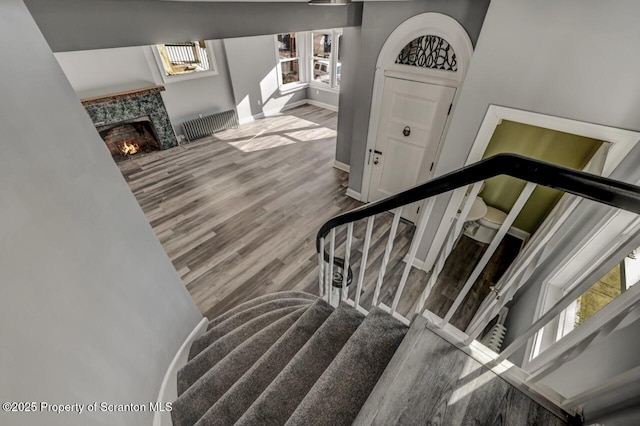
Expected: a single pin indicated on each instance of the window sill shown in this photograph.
(324, 87)
(292, 87)
(184, 77)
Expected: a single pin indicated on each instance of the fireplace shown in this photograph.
(131, 119)
(130, 137)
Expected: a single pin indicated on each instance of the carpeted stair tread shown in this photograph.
(232, 405)
(209, 357)
(280, 399)
(196, 400)
(369, 409)
(239, 319)
(259, 300)
(341, 391)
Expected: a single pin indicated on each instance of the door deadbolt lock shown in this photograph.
(376, 156)
(406, 131)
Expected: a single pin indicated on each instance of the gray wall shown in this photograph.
(99, 24)
(93, 69)
(326, 97)
(348, 91)
(254, 76)
(91, 307)
(379, 19)
(569, 59)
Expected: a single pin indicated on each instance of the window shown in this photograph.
(288, 58)
(326, 63)
(309, 57)
(183, 60)
(339, 60)
(604, 272)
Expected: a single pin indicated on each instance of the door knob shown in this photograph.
(406, 131)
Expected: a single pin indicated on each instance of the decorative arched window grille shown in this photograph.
(429, 51)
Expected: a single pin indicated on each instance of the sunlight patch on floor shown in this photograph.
(272, 137)
(471, 386)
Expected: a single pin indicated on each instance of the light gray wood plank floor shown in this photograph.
(431, 382)
(238, 212)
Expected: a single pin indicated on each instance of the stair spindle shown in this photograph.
(365, 254)
(347, 257)
(387, 253)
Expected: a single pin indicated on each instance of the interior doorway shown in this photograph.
(602, 157)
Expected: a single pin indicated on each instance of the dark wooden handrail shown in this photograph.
(597, 188)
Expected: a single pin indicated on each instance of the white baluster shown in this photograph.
(511, 217)
(387, 253)
(363, 261)
(321, 268)
(415, 243)
(347, 258)
(435, 273)
(332, 252)
(508, 284)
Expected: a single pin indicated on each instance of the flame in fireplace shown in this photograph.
(129, 148)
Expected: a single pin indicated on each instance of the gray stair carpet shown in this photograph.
(196, 400)
(338, 395)
(280, 399)
(259, 300)
(209, 357)
(240, 318)
(232, 405)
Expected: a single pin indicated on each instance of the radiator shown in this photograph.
(206, 126)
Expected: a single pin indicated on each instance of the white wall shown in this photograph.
(572, 59)
(91, 308)
(254, 76)
(184, 100)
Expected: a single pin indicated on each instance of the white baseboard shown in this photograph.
(354, 194)
(294, 105)
(322, 105)
(341, 166)
(169, 387)
(417, 263)
(268, 113)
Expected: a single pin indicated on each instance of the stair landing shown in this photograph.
(430, 381)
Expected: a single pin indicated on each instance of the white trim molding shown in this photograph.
(169, 387)
(322, 105)
(423, 24)
(341, 166)
(353, 194)
(417, 263)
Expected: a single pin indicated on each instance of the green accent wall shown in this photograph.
(548, 145)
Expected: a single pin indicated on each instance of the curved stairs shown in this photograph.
(292, 359)
(285, 358)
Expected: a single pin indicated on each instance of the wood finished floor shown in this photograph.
(238, 212)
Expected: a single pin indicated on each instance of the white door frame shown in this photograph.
(622, 141)
(424, 24)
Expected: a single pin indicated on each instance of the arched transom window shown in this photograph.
(429, 51)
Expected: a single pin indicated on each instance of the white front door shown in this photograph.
(412, 119)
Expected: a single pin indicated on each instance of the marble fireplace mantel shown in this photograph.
(117, 104)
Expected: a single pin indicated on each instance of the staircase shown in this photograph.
(297, 359)
(285, 358)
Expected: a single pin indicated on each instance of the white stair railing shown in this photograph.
(469, 179)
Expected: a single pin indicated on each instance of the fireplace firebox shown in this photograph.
(130, 137)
